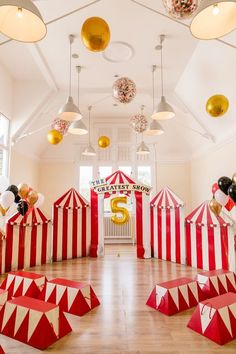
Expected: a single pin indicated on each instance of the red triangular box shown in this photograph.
(64, 326)
(195, 321)
(63, 303)
(79, 306)
(217, 330)
(19, 290)
(39, 339)
(9, 328)
(94, 300)
(152, 299)
(22, 333)
(221, 288)
(182, 303)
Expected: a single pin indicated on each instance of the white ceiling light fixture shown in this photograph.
(164, 111)
(142, 149)
(21, 20)
(214, 19)
(154, 128)
(89, 150)
(69, 111)
(78, 127)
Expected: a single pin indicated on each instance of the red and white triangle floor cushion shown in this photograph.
(215, 318)
(216, 282)
(22, 283)
(33, 322)
(175, 296)
(73, 297)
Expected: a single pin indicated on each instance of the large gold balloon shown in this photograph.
(32, 197)
(215, 207)
(54, 137)
(95, 34)
(23, 190)
(103, 142)
(217, 105)
(119, 210)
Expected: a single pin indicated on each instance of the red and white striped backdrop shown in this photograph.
(2, 253)
(210, 240)
(167, 227)
(71, 226)
(142, 217)
(28, 240)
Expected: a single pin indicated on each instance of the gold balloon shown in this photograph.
(32, 197)
(116, 209)
(103, 142)
(215, 207)
(23, 190)
(3, 211)
(234, 178)
(54, 137)
(95, 34)
(217, 105)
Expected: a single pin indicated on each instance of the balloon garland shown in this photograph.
(224, 194)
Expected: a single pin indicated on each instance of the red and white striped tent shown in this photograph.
(71, 226)
(210, 240)
(142, 216)
(28, 240)
(167, 227)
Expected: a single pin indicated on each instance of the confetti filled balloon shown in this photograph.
(61, 125)
(95, 34)
(124, 90)
(181, 9)
(103, 142)
(54, 137)
(217, 105)
(139, 123)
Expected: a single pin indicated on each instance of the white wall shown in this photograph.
(23, 169)
(208, 168)
(176, 177)
(55, 178)
(6, 89)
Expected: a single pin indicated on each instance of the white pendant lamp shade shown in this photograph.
(154, 129)
(164, 110)
(89, 151)
(143, 149)
(21, 20)
(69, 111)
(214, 19)
(78, 128)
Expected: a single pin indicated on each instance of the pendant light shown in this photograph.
(78, 127)
(164, 110)
(21, 20)
(142, 148)
(154, 128)
(69, 111)
(214, 19)
(89, 150)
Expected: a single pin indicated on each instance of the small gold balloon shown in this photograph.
(217, 105)
(215, 207)
(54, 137)
(234, 178)
(103, 142)
(95, 34)
(23, 190)
(32, 197)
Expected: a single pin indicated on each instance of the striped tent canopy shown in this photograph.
(33, 217)
(166, 199)
(119, 177)
(203, 216)
(71, 200)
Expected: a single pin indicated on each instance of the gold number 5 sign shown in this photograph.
(116, 209)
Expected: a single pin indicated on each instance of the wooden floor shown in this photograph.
(123, 323)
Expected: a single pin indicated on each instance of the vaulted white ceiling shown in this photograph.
(193, 71)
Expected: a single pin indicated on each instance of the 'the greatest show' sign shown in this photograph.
(101, 186)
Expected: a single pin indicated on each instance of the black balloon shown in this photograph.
(13, 189)
(22, 207)
(232, 192)
(17, 199)
(224, 183)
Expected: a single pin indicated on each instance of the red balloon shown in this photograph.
(230, 204)
(215, 188)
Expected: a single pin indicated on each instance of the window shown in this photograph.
(85, 177)
(126, 169)
(144, 175)
(4, 145)
(105, 171)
